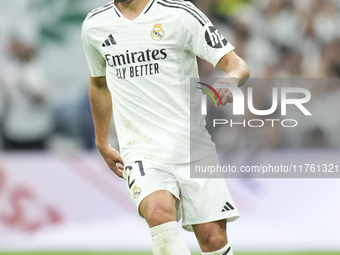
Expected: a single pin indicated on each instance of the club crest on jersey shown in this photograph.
(136, 192)
(157, 32)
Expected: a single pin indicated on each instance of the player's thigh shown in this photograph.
(204, 200)
(211, 236)
(153, 189)
(158, 208)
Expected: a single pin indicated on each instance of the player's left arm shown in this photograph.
(237, 74)
(200, 37)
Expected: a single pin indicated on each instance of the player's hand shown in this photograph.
(112, 159)
(224, 93)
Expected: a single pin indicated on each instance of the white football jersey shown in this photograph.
(148, 63)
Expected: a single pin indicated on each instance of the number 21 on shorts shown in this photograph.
(130, 173)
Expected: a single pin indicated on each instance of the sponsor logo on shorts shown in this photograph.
(227, 207)
(136, 192)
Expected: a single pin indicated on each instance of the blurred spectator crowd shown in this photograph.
(277, 39)
(282, 39)
(28, 119)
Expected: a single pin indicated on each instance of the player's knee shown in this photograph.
(158, 208)
(158, 215)
(213, 242)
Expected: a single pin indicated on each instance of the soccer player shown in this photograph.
(141, 55)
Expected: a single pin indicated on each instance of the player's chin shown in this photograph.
(123, 1)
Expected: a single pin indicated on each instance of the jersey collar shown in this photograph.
(145, 11)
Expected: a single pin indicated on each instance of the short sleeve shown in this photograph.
(201, 37)
(95, 60)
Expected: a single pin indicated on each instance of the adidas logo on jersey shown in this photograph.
(227, 207)
(109, 42)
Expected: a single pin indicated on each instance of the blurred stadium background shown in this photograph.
(56, 194)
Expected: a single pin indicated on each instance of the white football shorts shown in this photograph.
(199, 200)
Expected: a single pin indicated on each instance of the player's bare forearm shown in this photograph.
(101, 105)
(237, 75)
(235, 67)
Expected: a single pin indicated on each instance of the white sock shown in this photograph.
(224, 251)
(166, 240)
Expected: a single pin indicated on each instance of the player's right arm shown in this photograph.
(100, 99)
(101, 105)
